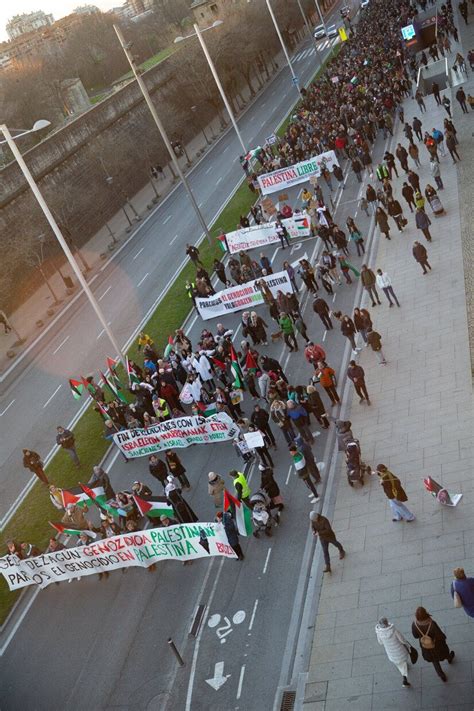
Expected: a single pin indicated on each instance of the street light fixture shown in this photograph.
(293, 75)
(198, 33)
(309, 29)
(127, 46)
(10, 140)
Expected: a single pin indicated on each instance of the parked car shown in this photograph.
(320, 31)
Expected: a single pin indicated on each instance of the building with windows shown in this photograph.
(208, 11)
(28, 22)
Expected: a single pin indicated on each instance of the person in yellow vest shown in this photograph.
(242, 489)
(144, 340)
(161, 408)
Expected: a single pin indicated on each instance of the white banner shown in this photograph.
(141, 549)
(175, 434)
(243, 296)
(298, 173)
(297, 226)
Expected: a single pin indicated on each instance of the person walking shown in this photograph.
(311, 463)
(231, 532)
(176, 468)
(381, 219)
(396, 646)
(395, 211)
(303, 472)
(356, 373)
(421, 255)
(417, 127)
(462, 591)
(446, 104)
(299, 417)
(327, 379)
(193, 253)
(288, 331)
(408, 194)
(362, 322)
(279, 415)
(215, 488)
(402, 155)
(322, 530)
(414, 154)
(395, 493)
(261, 419)
(321, 307)
(33, 462)
(316, 406)
(451, 146)
(349, 330)
(385, 283)
(355, 236)
(374, 340)
(101, 478)
(368, 280)
(432, 641)
(436, 173)
(157, 469)
(423, 223)
(66, 440)
(242, 489)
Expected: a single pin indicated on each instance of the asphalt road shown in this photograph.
(129, 287)
(91, 645)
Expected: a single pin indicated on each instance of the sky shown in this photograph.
(58, 8)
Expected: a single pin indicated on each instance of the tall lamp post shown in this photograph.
(10, 140)
(316, 2)
(127, 46)
(308, 27)
(198, 33)
(293, 75)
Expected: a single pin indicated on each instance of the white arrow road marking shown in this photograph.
(218, 679)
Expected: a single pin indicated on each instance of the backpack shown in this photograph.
(426, 641)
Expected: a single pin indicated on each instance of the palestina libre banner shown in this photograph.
(185, 541)
(298, 226)
(176, 434)
(297, 173)
(243, 296)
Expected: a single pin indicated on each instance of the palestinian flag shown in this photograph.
(235, 369)
(79, 497)
(112, 366)
(103, 410)
(99, 501)
(77, 388)
(250, 363)
(89, 387)
(218, 363)
(209, 409)
(301, 223)
(241, 513)
(154, 508)
(62, 528)
(222, 242)
(113, 389)
(169, 347)
(133, 378)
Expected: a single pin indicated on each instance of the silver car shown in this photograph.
(320, 31)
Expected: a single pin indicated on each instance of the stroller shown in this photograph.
(262, 518)
(355, 467)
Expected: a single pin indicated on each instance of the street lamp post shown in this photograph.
(198, 34)
(54, 226)
(308, 27)
(146, 95)
(316, 2)
(293, 75)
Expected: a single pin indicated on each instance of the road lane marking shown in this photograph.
(218, 180)
(200, 204)
(241, 681)
(324, 335)
(167, 219)
(61, 345)
(105, 293)
(100, 334)
(334, 298)
(266, 561)
(7, 408)
(142, 279)
(254, 612)
(50, 398)
(226, 149)
(263, 105)
(208, 170)
(174, 238)
(139, 252)
(288, 476)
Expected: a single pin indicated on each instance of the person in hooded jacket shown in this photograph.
(270, 486)
(215, 488)
(438, 651)
(396, 646)
(101, 478)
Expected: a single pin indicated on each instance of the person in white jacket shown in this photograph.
(395, 645)
(385, 283)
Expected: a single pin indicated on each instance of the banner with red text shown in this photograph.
(242, 296)
(297, 173)
(175, 434)
(185, 541)
(298, 226)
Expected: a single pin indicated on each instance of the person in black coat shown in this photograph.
(32, 461)
(176, 468)
(260, 418)
(182, 509)
(101, 478)
(270, 486)
(231, 532)
(321, 307)
(421, 256)
(157, 469)
(423, 625)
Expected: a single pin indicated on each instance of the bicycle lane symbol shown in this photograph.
(226, 628)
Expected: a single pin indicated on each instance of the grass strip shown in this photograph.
(30, 520)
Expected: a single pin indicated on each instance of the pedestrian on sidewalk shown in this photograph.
(451, 146)
(32, 461)
(395, 211)
(408, 194)
(347, 329)
(435, 90)
(374, 340)
(419, 100)
(288, 331)
(355, 236)
(368, 280)
(414, 154)
(462, 591)
(385, 283)
(381, 219)
(395, 493)
(356, 373)
(417, 126)
(327, 379)
(432, 641)
(414, 179)
(322, 529)
(362, 322)
(436, 173)
(396, 646)
(66, 440)
(316, 406)
(461, 97)
(423, 223)
(302, 471)
(421, 256)
(463, 10)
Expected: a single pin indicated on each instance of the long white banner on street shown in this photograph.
(297, 226)
(175, 434)
(297, 173)
(186, 541)
(243, 296)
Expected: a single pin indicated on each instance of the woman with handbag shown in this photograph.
(432, 641)
(398, 649)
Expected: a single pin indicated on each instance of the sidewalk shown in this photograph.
(420, 424)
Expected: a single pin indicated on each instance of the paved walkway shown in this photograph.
(420, 424)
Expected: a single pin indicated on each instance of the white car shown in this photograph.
(329, 31)
(364, 3)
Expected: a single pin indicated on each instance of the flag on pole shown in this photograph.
(250, 363)
(115, 392)
(218, 363)
(241, 513)
(99, 502)
(236, 371)
(77, 388)
(62, 528)
(103, 410)
(112, 366)
(89, 387)
(133, 378)
(222, 242)
(169, 347)
(79, 497)
(154, 508)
